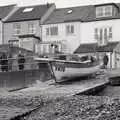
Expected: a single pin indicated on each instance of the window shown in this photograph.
(27, 9)
(103, 35)
(31, 28)
(108, 11)
(104, 11)
(99, 12)
(69, 29)
(17, 29)
(53, 31)
(110, 33)
(47, 31)
(96, 34)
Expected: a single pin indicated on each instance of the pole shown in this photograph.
(50, 64)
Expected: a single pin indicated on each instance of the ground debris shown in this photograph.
(78, 108)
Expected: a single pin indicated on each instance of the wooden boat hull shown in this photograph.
(67, 70)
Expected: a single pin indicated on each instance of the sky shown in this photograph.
(59, 3)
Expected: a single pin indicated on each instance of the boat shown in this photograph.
(64, 69)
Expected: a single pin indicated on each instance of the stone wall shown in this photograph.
(21, 79)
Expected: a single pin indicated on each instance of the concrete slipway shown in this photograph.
(79, 86)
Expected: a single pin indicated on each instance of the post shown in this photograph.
(50, 64)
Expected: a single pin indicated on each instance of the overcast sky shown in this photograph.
(59, 3)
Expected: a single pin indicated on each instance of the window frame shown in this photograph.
(16, 29)
(52, 31)
(103, 34)
(31, 28)
(105, 11)
(70, 29)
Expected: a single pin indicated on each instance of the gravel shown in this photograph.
(58, 106)
(78, 108)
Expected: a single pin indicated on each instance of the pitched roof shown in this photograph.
(80, 13)
(29, 36)
(36, 12)
(4, 10)
(93, 47)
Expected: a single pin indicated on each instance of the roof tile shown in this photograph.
(4, 10)
(80, 13)
(93, 47)
(37, 12)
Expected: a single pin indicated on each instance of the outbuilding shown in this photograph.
(112, 49)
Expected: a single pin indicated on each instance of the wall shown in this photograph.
(72, 41)
(8, 29)
(87, 30)
(20, 79)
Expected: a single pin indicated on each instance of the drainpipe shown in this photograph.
(2, 32)
(40, 31)
(111, 60)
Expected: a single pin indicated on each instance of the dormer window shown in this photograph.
(108, 11)
(104, 11)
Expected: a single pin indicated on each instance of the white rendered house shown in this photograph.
(62, 28)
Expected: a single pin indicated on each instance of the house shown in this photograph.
(101, 24)
(24, 25)
(5, 12)
(83, 24)
(62, 29)
(112, 49)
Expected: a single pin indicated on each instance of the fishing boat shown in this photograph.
(64, 69)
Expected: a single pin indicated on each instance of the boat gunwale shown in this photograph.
(53, 60)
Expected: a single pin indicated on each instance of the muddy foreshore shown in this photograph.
(39, 107)
(35, 105)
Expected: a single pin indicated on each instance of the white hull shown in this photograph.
(74, 72)
(64, 70)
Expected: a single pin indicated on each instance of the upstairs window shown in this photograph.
(103, 35)
(104, 11)
(70, 29)
(110, 33)
(108, 11)
(52, 31)
(99, 12)
(17, 29)
(31, 28)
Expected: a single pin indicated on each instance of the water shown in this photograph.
(111, 91)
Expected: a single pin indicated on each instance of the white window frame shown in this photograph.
(103, 35)
(31, 28)
(16, 29)
(52, 31)
(104, 11)
(108, 11)
(70, 29)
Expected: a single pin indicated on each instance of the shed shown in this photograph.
(112, 49)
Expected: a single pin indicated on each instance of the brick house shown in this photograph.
(26, 21)
(5, 12)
